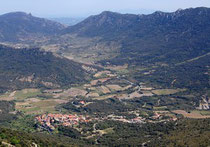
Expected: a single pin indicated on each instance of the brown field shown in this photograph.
(122, 96)
(193, 114)
(94, 82)
(127, 87)
(104, 89)
(29, 90)
(72, 92)
(12, 94)
(147, 93)
(166, 91)
(135, 95)
(117, 67)
(92, 88)
(86, 85)
(32, 100)
(92, 94)
(105, 97)
(61, 101)
(99, 74)
(146, 88)
(115, 87)
(103, 80)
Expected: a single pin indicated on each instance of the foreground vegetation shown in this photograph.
(186, 132)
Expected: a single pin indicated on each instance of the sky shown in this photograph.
(84, 8)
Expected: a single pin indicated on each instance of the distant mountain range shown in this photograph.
(151, 36)
(175, 44)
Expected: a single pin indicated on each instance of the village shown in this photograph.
(51, 121)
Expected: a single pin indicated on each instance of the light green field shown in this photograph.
(27, 93)
(38, 107)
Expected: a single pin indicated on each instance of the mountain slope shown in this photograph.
(20, 26)
(155, 37)
(160, 40)
(106, 23)
(21, 68)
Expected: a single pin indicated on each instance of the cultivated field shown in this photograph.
(193, 114)
(166, 91)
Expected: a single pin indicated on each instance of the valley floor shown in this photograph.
(112, 96)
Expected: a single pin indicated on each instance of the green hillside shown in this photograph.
(24, 68)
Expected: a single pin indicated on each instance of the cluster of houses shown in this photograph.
(123, 119)
(51, 121)
(157, 117)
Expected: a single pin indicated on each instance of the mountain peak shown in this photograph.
(16, 14)
(18, 25)
(108, 13)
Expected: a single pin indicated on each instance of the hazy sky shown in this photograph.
(83, 8)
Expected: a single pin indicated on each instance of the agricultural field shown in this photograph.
(167, 91)
(110, 96)
(106, 84)
(192, 114)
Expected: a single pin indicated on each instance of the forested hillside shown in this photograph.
(174, 46)
(21, 68)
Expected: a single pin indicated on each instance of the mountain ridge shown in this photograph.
(160, 40)
(17, 26)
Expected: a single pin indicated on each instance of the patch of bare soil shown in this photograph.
(61, 101)
(92, 94)
(99, 74)
(73, 92)
(122, 96)
(115, 87)
(104, 89)
(191, 114)
(33, 100)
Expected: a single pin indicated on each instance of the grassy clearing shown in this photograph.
(39, 110)
(27, 93)
(123, 71)
(106, 131)
(37, 107)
